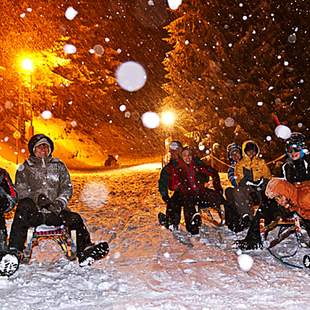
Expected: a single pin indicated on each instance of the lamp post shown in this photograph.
(27, 67)
(168, 119)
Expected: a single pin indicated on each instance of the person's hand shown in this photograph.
(43, 201)
(56, 207)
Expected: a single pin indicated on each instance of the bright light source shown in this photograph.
(27, 64)
(168, 118)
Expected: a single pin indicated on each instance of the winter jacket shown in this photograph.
(251, 170)
(8, 195)
(297, 194)
(192, 177)
(168, 179)
(297, 170)
(231, 174)
(47, 176)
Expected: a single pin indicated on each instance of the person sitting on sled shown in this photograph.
(192, 176)
(251, 174)
(167, 182)
(295, 170)
(44, 189)
(294, 197)
(8, 199)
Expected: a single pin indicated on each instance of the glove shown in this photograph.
(43, 201)
(56, 207)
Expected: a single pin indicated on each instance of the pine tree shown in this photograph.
(228, 66)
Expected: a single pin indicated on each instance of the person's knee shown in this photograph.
(25, 206)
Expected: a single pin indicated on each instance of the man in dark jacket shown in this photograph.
(168, 182)
(44, 188)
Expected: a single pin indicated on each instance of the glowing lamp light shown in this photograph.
(27, 65)
(168, 118)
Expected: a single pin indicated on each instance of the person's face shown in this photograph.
(282, 200)
(251, 153)
(41, 151)
(236, 156)
(187, 156)
(175, 154)
(294, 154)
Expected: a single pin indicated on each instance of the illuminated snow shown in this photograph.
(174, 4)
(283, 132)
(71, 13)
(46, 114)
(150, 120)
(131, 76)
(69, 49)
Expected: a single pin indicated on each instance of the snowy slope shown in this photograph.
(147, 268)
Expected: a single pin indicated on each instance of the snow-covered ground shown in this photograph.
(147, 268)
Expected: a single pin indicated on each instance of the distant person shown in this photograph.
(111, 162)
(44, 189)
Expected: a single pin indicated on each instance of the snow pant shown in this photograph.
(28, 215)
(190, 210)
(173, 210)
(3, 232)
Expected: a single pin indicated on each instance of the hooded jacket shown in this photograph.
(297, 194)
(257, 167)
(48, 176)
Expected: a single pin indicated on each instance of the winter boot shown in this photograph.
(92, 253)
(195, 223)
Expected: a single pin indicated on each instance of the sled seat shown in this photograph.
(60, 234)
(287, 226)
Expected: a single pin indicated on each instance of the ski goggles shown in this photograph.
(293, 149)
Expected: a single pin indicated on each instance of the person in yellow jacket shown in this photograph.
(251, 168)
(251, 174)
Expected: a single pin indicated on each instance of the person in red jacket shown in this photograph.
(192, 176)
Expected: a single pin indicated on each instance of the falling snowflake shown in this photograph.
(150, 120)
(46, 114)
(70, 13)
(94, 195)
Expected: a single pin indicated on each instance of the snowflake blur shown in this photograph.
(94, 195)
(174, 4)
(150, 120)
(46, 114)
(245, 262)
(71, 13)
(131, 76)
(283, 132)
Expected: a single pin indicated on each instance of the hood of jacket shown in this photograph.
(37, 140)
(244, 145)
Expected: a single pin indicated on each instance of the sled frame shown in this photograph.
(60, 234)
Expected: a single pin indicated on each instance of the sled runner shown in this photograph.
(286, 227)
(59, 234)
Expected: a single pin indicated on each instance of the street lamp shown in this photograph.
(168, 119)
(27, 67)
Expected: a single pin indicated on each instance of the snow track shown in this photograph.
(146, 267)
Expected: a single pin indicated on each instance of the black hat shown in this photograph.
(251, 146)
(40, 139)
